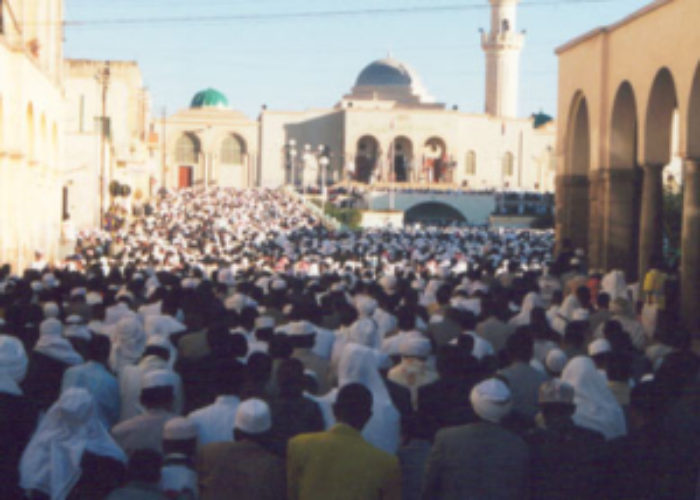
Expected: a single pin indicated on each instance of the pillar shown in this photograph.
(620, 245)
(596, 196)
(651, 218)
(572, 209)
(690, 247)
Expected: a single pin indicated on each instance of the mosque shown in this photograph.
(387, 129)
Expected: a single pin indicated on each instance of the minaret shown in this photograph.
(502, 46)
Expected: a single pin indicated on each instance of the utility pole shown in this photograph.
(103, 79)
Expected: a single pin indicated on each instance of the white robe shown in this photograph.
(215, 422)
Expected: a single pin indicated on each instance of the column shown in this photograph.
(620, 243)
(690, 247)
(651, 219)
(572, 209)
(596, 197)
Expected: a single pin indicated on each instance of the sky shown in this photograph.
(298, 54)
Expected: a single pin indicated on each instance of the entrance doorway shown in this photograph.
(184, 177)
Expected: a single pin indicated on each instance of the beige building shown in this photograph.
(31, 129)
(623, 90)
(124, 156)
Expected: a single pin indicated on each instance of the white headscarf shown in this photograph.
(13, 364)
(128, 343)
(52, 344)
(530, 301)
(596, 407)
(51, 461)
(364, 332)
(359, 364)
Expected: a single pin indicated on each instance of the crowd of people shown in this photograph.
(228, 345)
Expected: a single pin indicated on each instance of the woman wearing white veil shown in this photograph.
(596, 407)
(51, 462)
(530, 301)
(360, 364)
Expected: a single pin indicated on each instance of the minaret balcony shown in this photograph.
(503, 40)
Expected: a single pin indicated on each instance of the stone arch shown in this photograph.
(623, 186)
(693, 138)
(403, 158)
(233, 149)
(573, 193)
(187, 149)
(661, 106)
(658, 132)
(435, 159)
(31, 133)
(433, 211)
(366, 156)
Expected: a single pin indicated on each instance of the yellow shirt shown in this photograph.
(340, 465)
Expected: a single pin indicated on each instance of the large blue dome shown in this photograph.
(385, 72)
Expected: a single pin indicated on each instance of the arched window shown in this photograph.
(508, 164)
(470, 164)
(232, 150)
(187, 149)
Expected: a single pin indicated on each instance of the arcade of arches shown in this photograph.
(616, 136)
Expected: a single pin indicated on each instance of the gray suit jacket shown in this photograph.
(480, 461)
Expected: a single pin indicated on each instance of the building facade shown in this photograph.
(31, 129)
(114, 89)
(629, 102)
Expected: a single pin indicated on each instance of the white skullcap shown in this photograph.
(50, 328)
(491, 400)
(49, 280)
(50, 310)
(580, 314)
(158, 378)
(278, 284)
(78, 291)
(179, 429)
(93, 298)
(74, 319)
(415, 346)
(471, 305)
(365, 305)
(253, 416)
(235, 302)
(13, 358)
(599, 346)
(36, 286)
(556, 360)
(262, 322)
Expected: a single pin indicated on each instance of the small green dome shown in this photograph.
(540, 119)
(209, 98)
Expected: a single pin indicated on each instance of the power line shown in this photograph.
(217, 19)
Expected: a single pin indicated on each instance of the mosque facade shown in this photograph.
(387, 128)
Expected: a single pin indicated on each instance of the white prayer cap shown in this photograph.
(13, 358)
(365, 305)
(50, 328)
(491, 400)
(415, 346)
(158, 378)
(556, 360)
(471, 305)
(50, 310)
(124, 293)
(93, 298)
(599, 346)
(262, 322)
(188, 283)
(179, 429)
(418, 284)
(36, 286)
(278, 284)
(235, 302)
(580, 314)
(253, 416)
(78, 291)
